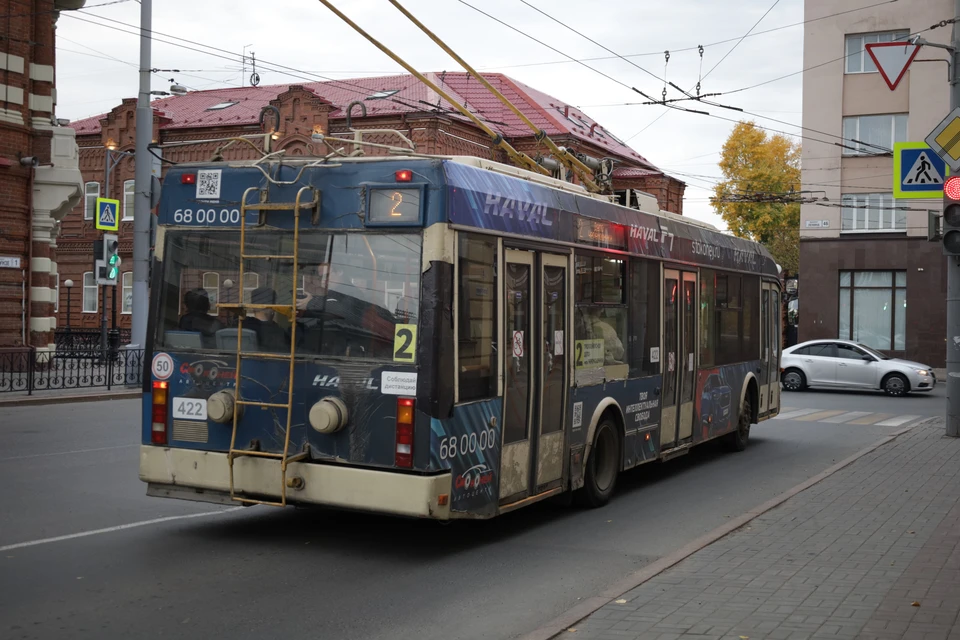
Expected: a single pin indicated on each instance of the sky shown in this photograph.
(97, 62)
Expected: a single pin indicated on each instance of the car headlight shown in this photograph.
(922, 372)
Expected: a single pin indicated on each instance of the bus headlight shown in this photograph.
(221, 405)
(329, 415)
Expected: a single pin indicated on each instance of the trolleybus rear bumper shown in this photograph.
(205, 477)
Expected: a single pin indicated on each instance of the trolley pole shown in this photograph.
(953, 267)
(142, 184)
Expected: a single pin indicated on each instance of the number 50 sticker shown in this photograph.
(405, 343)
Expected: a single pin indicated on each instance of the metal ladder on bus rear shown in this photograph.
(288, 310)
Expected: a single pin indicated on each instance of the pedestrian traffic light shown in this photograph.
(111, 257)
(950, 225)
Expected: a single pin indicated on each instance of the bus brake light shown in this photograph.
(403, 175)
(404, 450)
(158, 431)
(188, 178)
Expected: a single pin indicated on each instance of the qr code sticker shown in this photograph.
(208, 184)
(577, 415)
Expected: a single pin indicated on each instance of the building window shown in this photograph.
(250, 282)
(872, 212)
(127, 293)
(128, 194)
(872, 135)
(873, 308)
(211, 282)
(91, 192)
(858, 60)
(90, 302)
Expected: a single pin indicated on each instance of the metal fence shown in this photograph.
(30, 369)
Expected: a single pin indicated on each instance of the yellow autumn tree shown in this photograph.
(757, 167)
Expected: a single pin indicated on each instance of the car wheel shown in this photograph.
(737, 440)
(793, 380)
(896, 385)
(603, 466)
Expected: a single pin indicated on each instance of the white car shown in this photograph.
(848, 364)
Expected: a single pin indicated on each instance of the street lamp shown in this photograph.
(69, 285)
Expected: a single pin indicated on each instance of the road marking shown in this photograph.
(846, 417)
(67, 453)
(896, 422)
(121, 527)
(814, 417)
(790, 415)
(871, 418)
(786, 409)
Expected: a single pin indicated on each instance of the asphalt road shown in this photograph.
(260, 572)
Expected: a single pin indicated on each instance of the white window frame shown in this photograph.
(88, 209)
(863, 150)
(126, 286)
(214, 303)
(246, 289)
(861, 58)
(860, 204)
(83, 293)
(129, 194)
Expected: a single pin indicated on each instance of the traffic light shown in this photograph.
(950, 225)
(111, 257)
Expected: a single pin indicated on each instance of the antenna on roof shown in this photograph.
(571, 162)
(517, 157)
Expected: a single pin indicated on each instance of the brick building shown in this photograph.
(39, 178)
(193, 127)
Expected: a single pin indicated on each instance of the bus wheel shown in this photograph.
(603, 465)
(737, 440)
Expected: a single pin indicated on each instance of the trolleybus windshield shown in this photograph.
(352, 290)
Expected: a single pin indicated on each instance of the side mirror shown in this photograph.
(868, 359)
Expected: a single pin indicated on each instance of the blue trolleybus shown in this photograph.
(438, 337)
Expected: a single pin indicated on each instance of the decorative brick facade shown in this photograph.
(319, 108)
(39, 180)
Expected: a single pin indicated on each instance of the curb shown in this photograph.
(588, 606)
(91, 397)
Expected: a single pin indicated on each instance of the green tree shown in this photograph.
(758, 167)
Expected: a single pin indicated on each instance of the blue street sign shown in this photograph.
(918, 172)
(108, 214)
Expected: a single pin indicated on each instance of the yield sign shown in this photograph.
(892, 59)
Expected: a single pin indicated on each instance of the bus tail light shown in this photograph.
(158, 431)
(403, 175)
(188, 178)
(404, 451)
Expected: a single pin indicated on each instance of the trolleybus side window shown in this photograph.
(644, 332)
(601, 312)
(708, 317)
(729, 326)
(477, 317)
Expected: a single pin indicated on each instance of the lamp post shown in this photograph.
(69, 285)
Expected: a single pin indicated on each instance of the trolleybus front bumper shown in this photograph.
(204, 476)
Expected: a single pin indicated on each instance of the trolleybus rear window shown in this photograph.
(354, 292)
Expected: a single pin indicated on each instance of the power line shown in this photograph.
(775, 3)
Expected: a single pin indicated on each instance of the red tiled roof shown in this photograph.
(546, 112)
(635, 172)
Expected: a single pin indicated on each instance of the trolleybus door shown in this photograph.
(678, 357)
(535, 372)
(553, 368)
(770, 349)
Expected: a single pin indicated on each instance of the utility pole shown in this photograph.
(141, 199)
(953, 265)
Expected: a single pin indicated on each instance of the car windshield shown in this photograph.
(352, 291)
(873, 352)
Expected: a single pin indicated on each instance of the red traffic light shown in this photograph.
(951, 188)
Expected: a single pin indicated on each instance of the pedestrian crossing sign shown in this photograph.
(918, 172)
(108, 214)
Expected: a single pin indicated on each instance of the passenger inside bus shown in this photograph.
(599, 328)
(197, 317)
(270, 335)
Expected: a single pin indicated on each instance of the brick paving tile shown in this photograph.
(845, 558)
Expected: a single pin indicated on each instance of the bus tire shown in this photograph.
(738, 438)
(603, 466)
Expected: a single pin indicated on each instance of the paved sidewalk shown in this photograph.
(872, 551)
(55, 396)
